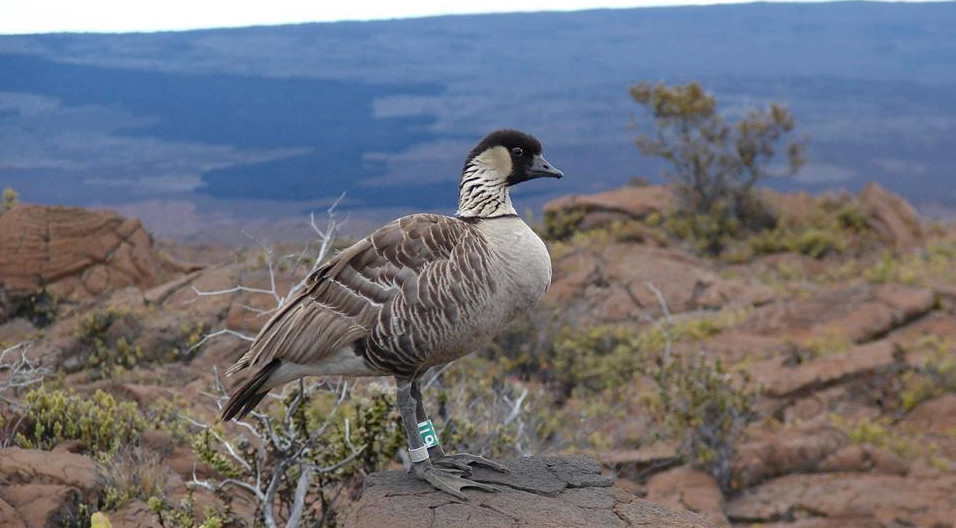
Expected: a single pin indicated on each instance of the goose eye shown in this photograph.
(517, 152)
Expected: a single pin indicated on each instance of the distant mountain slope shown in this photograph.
(268, 121)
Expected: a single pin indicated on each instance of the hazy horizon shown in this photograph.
(117, 16)
(217, 131)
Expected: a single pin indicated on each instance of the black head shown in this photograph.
(514, 155)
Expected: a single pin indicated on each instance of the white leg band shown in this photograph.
(418, 455)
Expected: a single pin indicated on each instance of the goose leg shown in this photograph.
(446, 480)
(460, 461)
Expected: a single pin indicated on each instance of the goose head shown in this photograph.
(502, 159)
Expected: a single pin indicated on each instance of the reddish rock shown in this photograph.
(609, 283)
(134, 515)
(625, 203)
(794, 207)
(45, 505)
(906, 302)
(690, 489)
(75, 252)
(9, 518)
(820, 522)
(658, 455)
(854, 498)
(892, 217)
(780, 381)
(936, 416)
(15, 331)
(812, 405)
(862, 458)
(740, 345)
(789, 450)
(857, 313)
(34, 466)
(639, 512)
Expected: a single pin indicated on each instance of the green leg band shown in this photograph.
(428, 434)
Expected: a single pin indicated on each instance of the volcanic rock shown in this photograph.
(70, 251)
(539, 492)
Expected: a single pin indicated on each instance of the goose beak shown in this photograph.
(540, 168)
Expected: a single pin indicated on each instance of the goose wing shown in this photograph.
(346, 297)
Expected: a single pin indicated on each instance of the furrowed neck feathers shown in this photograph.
(483, 191)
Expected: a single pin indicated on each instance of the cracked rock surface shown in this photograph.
(539, 491)
(70, 251)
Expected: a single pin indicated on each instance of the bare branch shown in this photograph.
(234, 289)
(298, 502)
(17, 371)
(516, 407)
(666, 329)
(222, 331)
(281, 447)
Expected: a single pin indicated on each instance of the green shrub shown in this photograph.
(813, 241)
(711, 159)
(491, 415)
(190, 335)
(700, 406)
(709, 233)
(936, 264)
(107, 354)
(818, 243)
(850, 217)
(560, 225)
(593, 358)
(184, 514)
(881, 432)
(204, 447)
(163, 415)
(337, 440)
(934, 377)
(9, 199)
(99, 422)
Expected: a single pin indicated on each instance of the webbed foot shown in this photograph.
(465, 461)
(448, 481)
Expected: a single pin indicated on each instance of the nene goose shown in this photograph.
(419, 292)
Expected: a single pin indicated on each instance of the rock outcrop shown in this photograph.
(892, 217)
(626, 203)
(70, 251)
(540, 491)
(43, 488)
(609, 282)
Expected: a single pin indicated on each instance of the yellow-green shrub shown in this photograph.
(708, 233)
(934, 377)
(595, 357)
(107, 355)
(491, 415)
(816, 242)
(184, 514)
(373, 421)
(9, 199)
(99, 422)
(699, 405)
(559, 225)
(936, 264)
(190, 335)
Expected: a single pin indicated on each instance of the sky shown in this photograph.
(47, 16)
